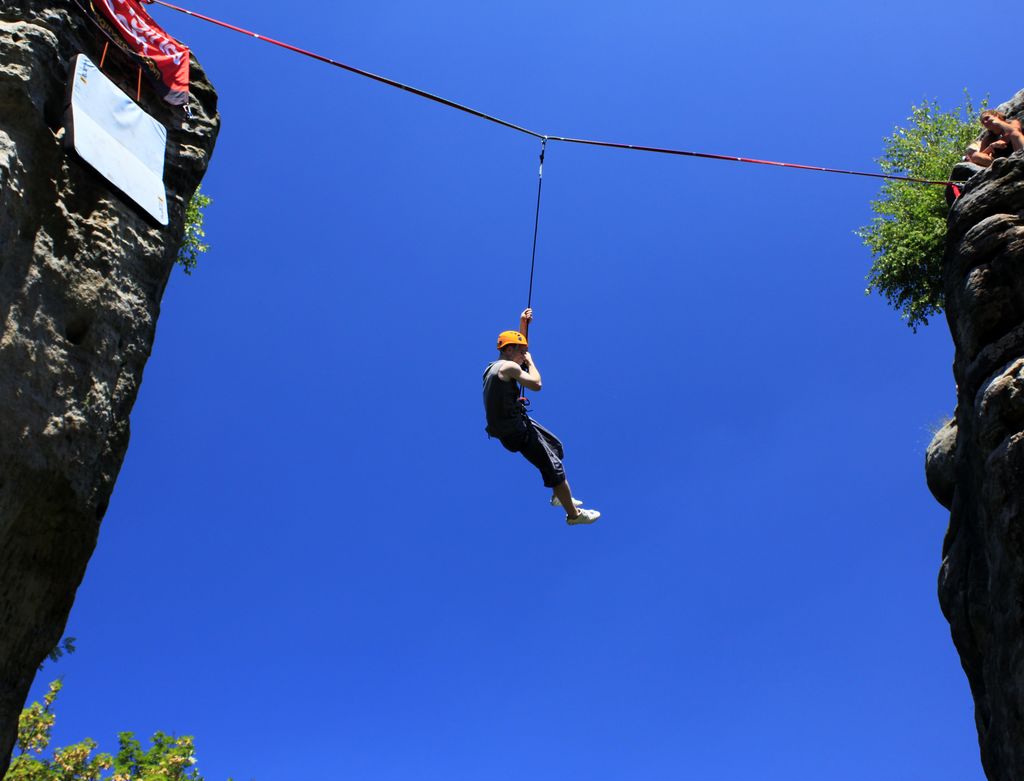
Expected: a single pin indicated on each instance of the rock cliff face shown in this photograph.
(975, 465)
(82, 272)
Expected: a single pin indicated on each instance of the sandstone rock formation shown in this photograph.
(82, 272)
(975, 464)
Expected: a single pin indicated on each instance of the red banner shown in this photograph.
(166, 58)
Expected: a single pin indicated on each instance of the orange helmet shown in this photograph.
(506, 338)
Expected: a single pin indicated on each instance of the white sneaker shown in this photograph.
(556, 503)
(585, 516)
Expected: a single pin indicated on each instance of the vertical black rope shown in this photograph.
(533, 255)
(536, 219)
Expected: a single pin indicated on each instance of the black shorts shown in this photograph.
(542, 449)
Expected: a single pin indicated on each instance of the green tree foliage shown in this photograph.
(64, 647)
(192, 245)
(907, 238)
(168, 759)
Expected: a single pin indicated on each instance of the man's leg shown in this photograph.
(542, 449)
(564, 494)
(549, 461)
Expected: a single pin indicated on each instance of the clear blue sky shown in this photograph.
(314, 559)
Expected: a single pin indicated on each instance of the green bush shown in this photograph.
(192, 245)
(907, 238)
(168, 759)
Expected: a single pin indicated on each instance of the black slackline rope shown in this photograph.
(735, 159)
(352, 69)
(527, 131)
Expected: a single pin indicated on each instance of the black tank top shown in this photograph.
(505, 413)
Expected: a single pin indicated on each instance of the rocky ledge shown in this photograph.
(82, 272)
(975, 464)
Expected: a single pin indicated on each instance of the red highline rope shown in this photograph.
(734, 159)
(527, 131)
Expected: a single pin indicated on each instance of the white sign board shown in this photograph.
(117, 138)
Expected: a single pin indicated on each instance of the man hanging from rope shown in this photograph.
(518, 432)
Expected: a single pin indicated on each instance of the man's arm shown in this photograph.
(1016, 136)
(984, 159)
(524, 322)
(526, 375)
(973, 154)
(1011, 131)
